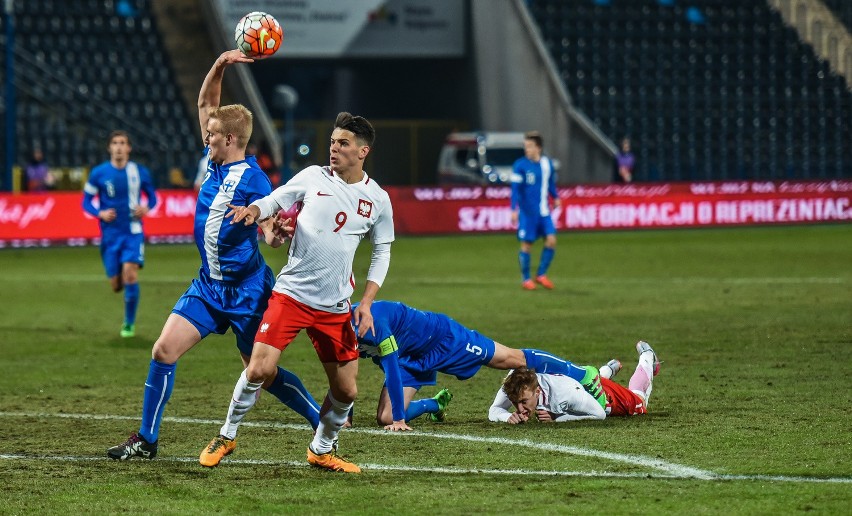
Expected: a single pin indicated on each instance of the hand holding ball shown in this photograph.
(258, 35)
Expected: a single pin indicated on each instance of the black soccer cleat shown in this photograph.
(134, 446)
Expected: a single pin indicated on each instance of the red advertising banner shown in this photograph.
(37, 220)
(652, 205)
(30, 220)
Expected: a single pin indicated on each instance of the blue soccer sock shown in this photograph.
(546, 257)
(131, 301)
(419, 407)
(544, 362)
(288, 388)
(524, 259)
(158, 390)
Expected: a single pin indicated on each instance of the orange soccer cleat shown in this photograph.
(528, 285)
(218, 448)
(544, 282)
(331, 461)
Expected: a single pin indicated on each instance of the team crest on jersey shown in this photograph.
(228, 185)
(365, 208)
(264, 327)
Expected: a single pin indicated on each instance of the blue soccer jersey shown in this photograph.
(121, 190)
(412, 346)
(532, 183)
(229, 252)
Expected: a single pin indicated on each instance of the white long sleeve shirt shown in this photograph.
(560, 395)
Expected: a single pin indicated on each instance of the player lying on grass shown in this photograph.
(412, 346)
(557, 398)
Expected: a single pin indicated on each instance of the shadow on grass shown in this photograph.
(137, 342)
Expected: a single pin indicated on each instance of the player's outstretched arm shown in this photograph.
(211, 89)
(249, 214)
(276, 231)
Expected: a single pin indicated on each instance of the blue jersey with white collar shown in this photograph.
(229, 252)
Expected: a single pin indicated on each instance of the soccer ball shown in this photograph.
(258, 35)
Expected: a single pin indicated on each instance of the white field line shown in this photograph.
(369, 467)
(667, 470)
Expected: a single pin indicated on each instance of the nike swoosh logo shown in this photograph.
(320, 194)
(263, 36)
(148, 385)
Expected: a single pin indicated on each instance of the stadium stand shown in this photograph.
(83, 70)
(733, 94)
(842, 9)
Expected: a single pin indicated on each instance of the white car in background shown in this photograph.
(484, 158)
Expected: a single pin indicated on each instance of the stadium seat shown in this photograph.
(71, 104)
(677, 80)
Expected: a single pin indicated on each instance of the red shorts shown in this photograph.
(332, 334)
(621, 400)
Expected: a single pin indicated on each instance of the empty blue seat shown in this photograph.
(743, 70)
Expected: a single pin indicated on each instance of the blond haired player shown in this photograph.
(233, 282)
(557, 398)
(341, 205)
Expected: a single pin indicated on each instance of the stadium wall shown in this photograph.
(520, 90)
(41, 220)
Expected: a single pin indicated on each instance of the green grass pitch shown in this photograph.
(750, 413)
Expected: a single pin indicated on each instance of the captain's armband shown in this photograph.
(387, 346)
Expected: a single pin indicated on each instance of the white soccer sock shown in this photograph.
(642, 381)
(330, 424)
(244, 398)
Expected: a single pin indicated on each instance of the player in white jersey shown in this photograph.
(340, 205)
(557, 398)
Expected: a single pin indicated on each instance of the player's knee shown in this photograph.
(383, 419)
(258, 372)
(162, 353)
(344, 393)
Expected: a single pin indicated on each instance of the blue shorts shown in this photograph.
(122, 248)
(531, 229)
(461, 353)
(214, 306)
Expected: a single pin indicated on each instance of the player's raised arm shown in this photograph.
(211, 89)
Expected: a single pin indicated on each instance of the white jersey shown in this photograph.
(560, 395)
(335, 216)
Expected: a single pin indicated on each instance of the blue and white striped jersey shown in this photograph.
(229, 252)
(121, 190)
(531, 183)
